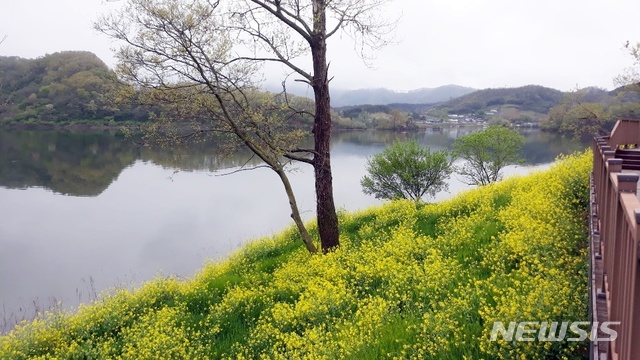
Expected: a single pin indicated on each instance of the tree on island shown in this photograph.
(487, 152)
(208, 54)
(407, 170)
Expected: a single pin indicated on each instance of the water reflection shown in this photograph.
(86, 163)
(82, 212)
(65, 162)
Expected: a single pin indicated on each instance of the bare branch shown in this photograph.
(274, 8)
(245, 169)
(311, 151)
(299, 158)
(286, 99)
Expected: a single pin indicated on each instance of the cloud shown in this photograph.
(477, 43)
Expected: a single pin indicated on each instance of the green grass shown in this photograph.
(409, 281)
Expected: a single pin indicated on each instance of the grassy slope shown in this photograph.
(408, 282)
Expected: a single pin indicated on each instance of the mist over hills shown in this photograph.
(382, 96)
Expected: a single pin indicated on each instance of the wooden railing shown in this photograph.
(617, 225)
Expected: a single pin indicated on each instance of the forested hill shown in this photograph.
(533, 98)
(64, 86)
(76, 87)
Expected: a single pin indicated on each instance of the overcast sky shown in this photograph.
(563, 44)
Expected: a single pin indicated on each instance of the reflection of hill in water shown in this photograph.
(198, 157)
(85, 164)
(79, 164)
(541, 147)
(361, 142)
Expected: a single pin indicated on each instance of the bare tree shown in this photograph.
(209, 52)
(286, 30)
(179, 52)
(631, 75)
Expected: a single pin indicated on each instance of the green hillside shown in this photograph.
(593, 110)
(76, 87)
(408, 282)
(69, 87)
(60, 87)
(533, 98)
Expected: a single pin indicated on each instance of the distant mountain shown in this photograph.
(533, 98)
(526, 104)
(383, 96)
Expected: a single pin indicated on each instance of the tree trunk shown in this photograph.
(326, 210)
(295, 213)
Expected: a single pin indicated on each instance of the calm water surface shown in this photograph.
(84, 212)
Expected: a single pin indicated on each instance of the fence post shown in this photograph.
(607, 212)
(627, 183)
(616, 216)
(632, 335)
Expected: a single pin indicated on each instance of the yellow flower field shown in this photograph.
(409, 282)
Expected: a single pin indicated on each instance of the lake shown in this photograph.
(84, 212)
